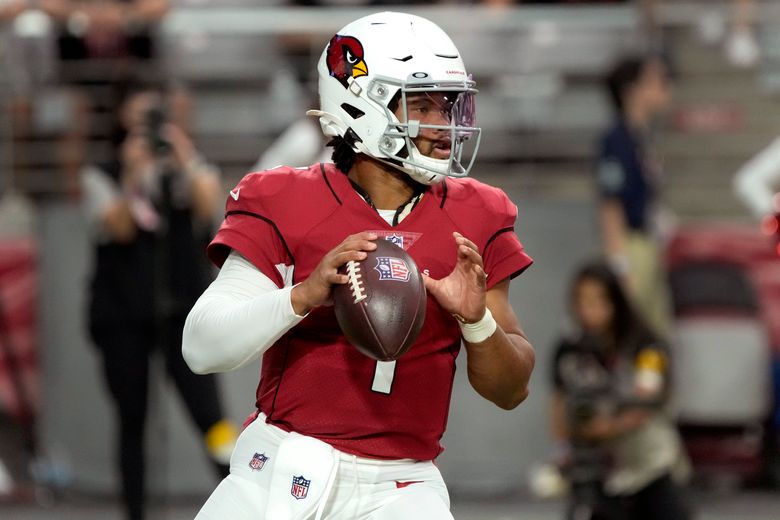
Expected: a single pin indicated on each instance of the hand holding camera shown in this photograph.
(166, 140)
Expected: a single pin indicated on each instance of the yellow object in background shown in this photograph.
(651, 359)
(650, 367)
(220, 441)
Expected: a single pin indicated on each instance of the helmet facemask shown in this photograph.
(440, 116)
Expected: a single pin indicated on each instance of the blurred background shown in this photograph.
(243, 71)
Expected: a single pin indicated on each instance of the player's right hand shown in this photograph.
(317, 289)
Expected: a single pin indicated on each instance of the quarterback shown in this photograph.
(335, 433)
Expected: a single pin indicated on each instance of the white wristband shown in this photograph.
(481, 330)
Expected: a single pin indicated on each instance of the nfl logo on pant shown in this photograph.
(258, 461)
(300, 487)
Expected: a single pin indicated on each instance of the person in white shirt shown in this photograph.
(757, 182)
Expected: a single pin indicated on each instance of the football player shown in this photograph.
(757, 183)
(337, 434)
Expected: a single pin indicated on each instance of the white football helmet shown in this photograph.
(371, 67)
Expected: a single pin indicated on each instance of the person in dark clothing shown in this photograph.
(627, 179)
(151, 213)
(611, 381)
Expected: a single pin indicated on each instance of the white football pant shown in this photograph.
(275, 475)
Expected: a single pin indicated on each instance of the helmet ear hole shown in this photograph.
(351, 138)
(353, 111)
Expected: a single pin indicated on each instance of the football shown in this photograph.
(381, 309)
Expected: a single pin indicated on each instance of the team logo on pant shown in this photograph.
(300, 487)
(258, 461)
(390, 268)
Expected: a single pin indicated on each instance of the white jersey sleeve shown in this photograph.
(237, 318)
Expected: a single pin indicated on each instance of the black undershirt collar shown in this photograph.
(413, 200)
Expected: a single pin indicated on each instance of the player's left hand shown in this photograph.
(462, 292)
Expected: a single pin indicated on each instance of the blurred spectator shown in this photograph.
(301, 144)
(105, 29)
(758, 181)
(101, 44)
(10, 9)
(742, 48)
(627, 179)
(356, 3)
(569, 2)
(152, 213)
(734, 27)
(623, 455)
(573, 1)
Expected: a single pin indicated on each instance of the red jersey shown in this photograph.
(312, 380)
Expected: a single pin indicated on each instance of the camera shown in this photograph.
(155, 121)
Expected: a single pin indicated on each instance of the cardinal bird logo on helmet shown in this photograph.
(345, 59)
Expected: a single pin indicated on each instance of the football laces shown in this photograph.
(355, 282)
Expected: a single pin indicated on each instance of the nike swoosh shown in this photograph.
(234, 194)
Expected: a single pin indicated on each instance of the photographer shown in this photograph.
(151, 213)
(623, 457)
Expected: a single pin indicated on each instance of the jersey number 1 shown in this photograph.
(383, 377)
